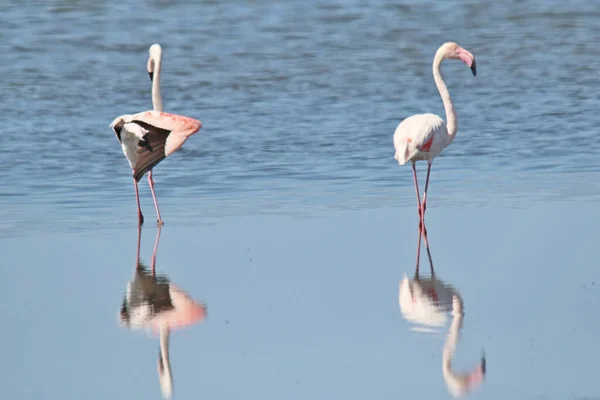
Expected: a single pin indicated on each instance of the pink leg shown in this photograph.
(420, 218)
(154, 252)
(159, 220)
(424, 206)
(137, 198)
(418, 254)
(418, 196)
(139, 240)
(428, 250)
(421, 212)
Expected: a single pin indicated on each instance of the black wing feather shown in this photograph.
(151, 149)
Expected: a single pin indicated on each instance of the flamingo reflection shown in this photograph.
(426, 302)
(459, 384)
(154, 304)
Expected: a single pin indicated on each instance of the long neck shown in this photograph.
(451, 120)
(156, 96)
(453, 380)
(165, 377)
(451, 342)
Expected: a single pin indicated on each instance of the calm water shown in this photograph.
(286, 214)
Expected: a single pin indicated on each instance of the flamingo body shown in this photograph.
(149, 137)
(425, 301)
(420, 137)
(153, 303)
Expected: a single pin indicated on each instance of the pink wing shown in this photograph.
(181, 127)
(185, 311)
(416, 134)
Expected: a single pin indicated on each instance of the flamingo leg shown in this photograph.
(139, 240)
(418, 196)
(418, 255)
(154, 252)
(424, 205)
(428, 250)
(137, 199)
(422, 229)
(159, 220)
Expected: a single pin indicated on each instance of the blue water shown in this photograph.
(293, 169)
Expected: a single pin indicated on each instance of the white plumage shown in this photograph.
(131, 134)
(415, 132)
(424, 136)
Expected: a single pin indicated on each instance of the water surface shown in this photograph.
(286, 214)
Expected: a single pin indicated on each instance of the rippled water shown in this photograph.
(299, 102)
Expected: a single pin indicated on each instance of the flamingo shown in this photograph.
(149, 137)
(424, 136)
(155, 304)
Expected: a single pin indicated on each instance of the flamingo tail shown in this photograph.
(403, 153)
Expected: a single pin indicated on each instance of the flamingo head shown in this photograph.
(155, 57)
(475, 378)
(453, 51)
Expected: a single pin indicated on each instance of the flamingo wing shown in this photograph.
(180, 127)
(150, 136)
(151, 148)
(417, 134)
(143, 144)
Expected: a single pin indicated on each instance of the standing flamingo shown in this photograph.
(424, 136)
(150, 136)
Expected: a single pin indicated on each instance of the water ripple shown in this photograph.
(291, 95)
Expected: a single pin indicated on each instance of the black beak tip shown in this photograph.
(474, 68)
(151, 75)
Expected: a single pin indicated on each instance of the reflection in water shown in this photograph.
(459, 384)
(154, 304)
(426, 302)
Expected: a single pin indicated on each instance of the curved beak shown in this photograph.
(468, 59)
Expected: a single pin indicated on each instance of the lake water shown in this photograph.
(287, 214)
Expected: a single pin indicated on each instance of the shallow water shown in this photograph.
(302, 308)
(286, 214)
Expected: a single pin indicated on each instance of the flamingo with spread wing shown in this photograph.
(149, 137)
